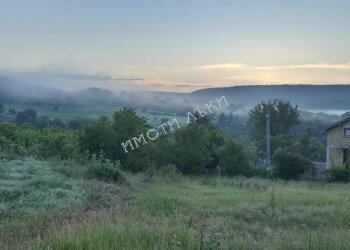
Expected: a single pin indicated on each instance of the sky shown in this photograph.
(174, 45)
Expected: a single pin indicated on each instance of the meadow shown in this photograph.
(90, 112)
(43, 208)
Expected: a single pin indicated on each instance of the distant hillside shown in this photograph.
(306, 96)
(12, 91)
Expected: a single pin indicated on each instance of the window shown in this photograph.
(347, 131)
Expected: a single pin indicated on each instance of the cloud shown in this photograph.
(220, 66)
(342, 66)
(192, 86)
(84, 77)
(321, 65)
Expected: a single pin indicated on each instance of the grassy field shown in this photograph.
(89, 112)
(44, 209)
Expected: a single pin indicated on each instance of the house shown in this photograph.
(338, 143)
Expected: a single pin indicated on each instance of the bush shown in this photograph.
(234, 160)
(263, 172)
(74, 125)
(339, 174)
(93, 166)
(190, 149)
(58, 123)
(46, 143)
(290, 165)
(104, 169)
(28, 115)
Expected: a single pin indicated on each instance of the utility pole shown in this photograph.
(268, 132)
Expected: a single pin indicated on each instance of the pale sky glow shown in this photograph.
(175, 45)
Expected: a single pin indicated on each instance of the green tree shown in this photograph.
(28, 115)
(190, 149)
(234, 159)
(107, 135)
(42, 122)
(289, 164)
(222, 119)
(311, 147)
(127, 124)
(230, 119)
(100, 136)
(283, 117)
(57, 142)
(58, 123)
(74, 125)
(215, 141)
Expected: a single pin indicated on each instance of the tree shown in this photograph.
(230, 119)
(234, 159)
(190, 149)
(28, 115)
(290, 165)
(215, 140)
(42, 122)
(311, 147)
(58, 123)
(283, 117)
(74, 125)
(345, 115)
(127, 124)
(107, 135)
(100, 136)
(222, 119)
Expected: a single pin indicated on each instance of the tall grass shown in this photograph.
(236, 213)
(36, 196)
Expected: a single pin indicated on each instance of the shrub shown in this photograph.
(290, 165)
(190, 149)
(339, 174)
(104, 169)
(28, 115)
(58, 123)
(74, 125)
(46, 143)
(234, 160)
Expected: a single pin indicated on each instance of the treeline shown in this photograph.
(196, 149)
(30, 116)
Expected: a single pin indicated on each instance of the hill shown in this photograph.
(306, 96)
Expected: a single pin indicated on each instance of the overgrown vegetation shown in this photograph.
(236, 213)
(65, 185)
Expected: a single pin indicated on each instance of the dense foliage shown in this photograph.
(201, 147)
(44, 144)
(234, 159)
(290, 165)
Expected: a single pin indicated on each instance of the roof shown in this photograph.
(338, 123)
